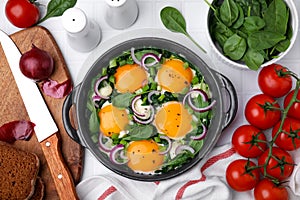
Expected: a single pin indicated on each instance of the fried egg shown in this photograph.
(112, 120)
(144, 156)
(130, 77)
(173, 76)
(174, 120)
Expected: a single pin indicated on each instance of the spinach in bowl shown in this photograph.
(251, 31)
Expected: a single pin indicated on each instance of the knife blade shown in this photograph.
(45, 129)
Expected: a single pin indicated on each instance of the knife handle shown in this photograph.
(59, 170)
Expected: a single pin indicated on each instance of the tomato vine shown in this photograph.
(284, 116)
(264, 112)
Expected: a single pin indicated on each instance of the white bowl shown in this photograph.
(217, 51)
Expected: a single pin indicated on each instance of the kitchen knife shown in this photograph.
(45, 129)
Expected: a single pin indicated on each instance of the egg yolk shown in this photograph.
(130, 78)
(144, 156)
(173, 76)
(173, 120)
(112, 120)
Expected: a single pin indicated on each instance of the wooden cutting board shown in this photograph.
(12, 107)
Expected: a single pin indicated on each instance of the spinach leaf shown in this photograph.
(252, 7)
(235, 47)
(122, 100)
(239, 22)
(57, 8)
(196, 145)
(264, 39)
(253, 59)
(139, 132)
(276, 17)
(229, 12)
(253, 23)
(283, 45)
(94, 122)
(175, 22)
(176, 162)
(221, 33)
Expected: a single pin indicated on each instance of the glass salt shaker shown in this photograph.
(121, 14)
(83, 35)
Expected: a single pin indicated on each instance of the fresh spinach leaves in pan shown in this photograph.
(251, 31)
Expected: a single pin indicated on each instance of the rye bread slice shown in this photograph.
(19, 170)
(38, 190)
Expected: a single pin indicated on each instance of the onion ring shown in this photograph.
(152, 93)
(148, 121)
(144, 57)
(102, 146)
(169, 144)
(113, 153)
(204, 97)
(202, 135)
(96, 87)
(181, 148)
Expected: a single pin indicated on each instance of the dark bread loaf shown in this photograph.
(19, 170)
(39, 190)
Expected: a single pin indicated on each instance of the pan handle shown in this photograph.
(233, 100)
(66, 109)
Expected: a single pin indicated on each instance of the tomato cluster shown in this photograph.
(265, 115)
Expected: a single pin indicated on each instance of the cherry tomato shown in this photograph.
(239, 177)
(289, 138)
(294, 111)
(247, 141)
(22, 13)
(280, 165)
(259, 113)
(267, 190)
(274, 81)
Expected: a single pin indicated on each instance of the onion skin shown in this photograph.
(16, 130)
(36, 64)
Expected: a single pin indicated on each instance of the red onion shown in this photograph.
(133, 57)
(95, 99)
(144, 57)
(96, 87)
(16, 130)
(148, 121)
(36, 64)
(198, 91)
(149, 55)
(123, 156)
(181, 148)
(57, 90)
(114, 152)
(152, 93)
(202, 135)
(102, 146)
(204, 109)
(169, 144)
(204, 96)
(133, 103)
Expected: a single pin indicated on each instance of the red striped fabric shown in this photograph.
(107, 192)
(208, 164)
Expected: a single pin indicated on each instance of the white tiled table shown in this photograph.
(194, 12)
